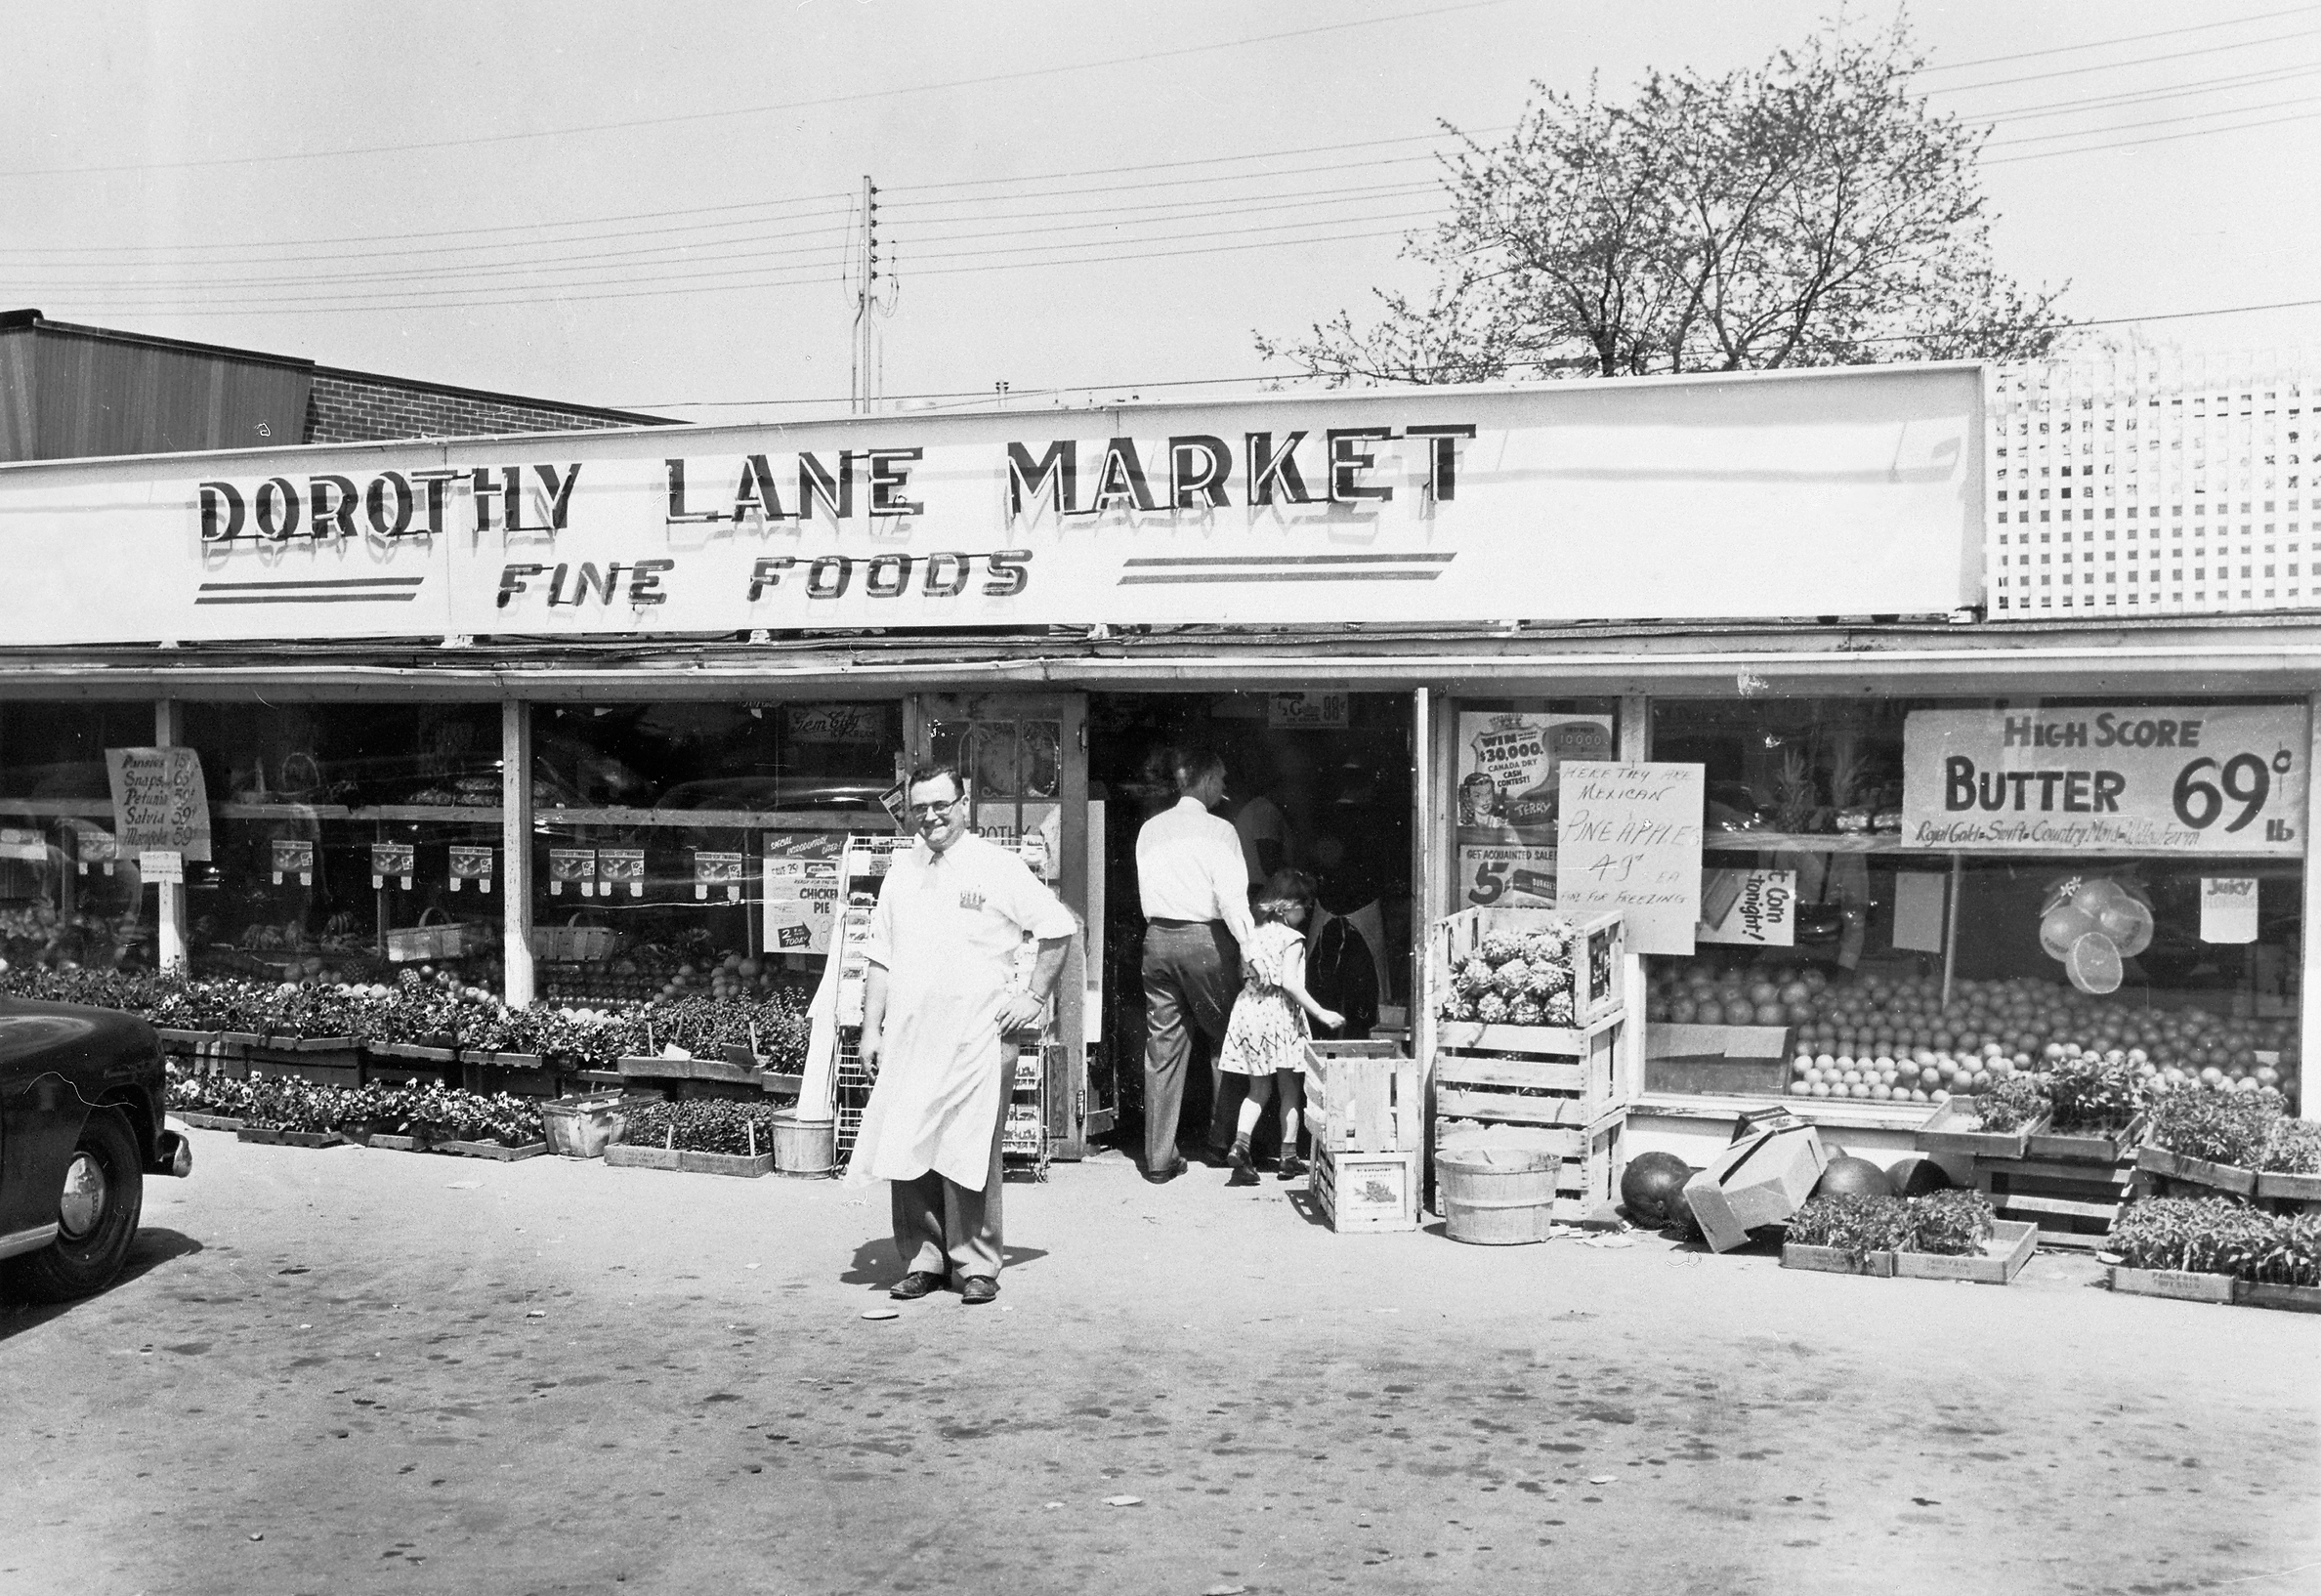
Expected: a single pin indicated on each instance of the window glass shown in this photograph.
(64, 896)
(2066, 876)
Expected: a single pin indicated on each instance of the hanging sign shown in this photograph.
(471, 863)
(577, 866)
(712, 868)
(292, 857)
(393, 858)
(22, 843)
(802, 890)
(1631, 841)
(2228, 908)
(159, 800)
(93, 845)
(1749, 908)
(1506, 874)
(624, 864)
(1307, 711)
(159, 866)
(2174, 778)
(1508, 797)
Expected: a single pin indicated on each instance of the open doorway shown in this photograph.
(1319, 781)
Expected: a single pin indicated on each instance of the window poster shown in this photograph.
(1507, 800)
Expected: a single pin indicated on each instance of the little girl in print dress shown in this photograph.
(1265, 1039)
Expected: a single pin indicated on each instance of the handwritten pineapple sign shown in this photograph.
(1631, 840)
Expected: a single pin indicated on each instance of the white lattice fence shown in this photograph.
(2149, 484)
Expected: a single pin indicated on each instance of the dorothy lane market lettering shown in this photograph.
(1452, 508)
(2176, 778)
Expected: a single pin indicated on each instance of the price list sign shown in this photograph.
(2164, 779)
(622, 864)
(393, 858)
(713, 868)
(292, 857)
(571, 866)
(471, 863)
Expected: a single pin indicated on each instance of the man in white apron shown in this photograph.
(951, 918)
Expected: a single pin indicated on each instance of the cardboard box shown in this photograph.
(1746, 1061)
(1759, 1181)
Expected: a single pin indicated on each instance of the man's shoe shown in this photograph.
(978, 1289)
(1292, 1167)
(1161, 1177)
(1244, 1173)
(914, 1285)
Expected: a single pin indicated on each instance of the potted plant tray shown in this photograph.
(2289, 1188)
(626, 1155)
(1951, 1129)
(2185, 1285)
(387, 1141)
(2001, 1257)
(2221, 1177)
(1836, 1260)
(2296, 1299)
(490, 1150)
(2109, 1149)
(412, 1050)
(205, 1121)
(276, 1136)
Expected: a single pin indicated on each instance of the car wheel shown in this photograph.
(97, 1213)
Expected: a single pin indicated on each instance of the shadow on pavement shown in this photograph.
(153, 1247)
(874, 1263)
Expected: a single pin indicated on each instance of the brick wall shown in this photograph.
(351, 407)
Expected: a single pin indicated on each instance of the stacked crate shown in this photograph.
(1561, 1083)
(1366, 1111)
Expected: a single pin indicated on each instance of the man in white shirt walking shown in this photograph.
(1194, 886)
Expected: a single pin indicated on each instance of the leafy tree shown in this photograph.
(1813, 211)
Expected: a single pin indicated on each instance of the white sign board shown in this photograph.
(1631, 841)
(1768, 496)
(159, 800)
(1750, 908)
(2169, 778)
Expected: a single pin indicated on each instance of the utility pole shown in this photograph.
(865, 292)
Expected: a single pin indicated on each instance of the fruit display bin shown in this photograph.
(1560, 1087)
(1598, 942)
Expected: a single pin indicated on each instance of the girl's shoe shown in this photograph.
(1244, 1173)
(1292, 1167)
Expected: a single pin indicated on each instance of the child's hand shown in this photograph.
(1332, 1018)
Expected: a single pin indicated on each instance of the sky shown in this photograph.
(659, 207)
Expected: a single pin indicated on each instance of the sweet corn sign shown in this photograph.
(2170, 778)
(1556, 501)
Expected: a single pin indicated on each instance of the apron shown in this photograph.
(949, 954)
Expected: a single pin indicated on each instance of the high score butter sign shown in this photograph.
(2160, 778)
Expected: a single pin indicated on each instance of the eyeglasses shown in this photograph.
(935, 812)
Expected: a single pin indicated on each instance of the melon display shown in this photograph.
(1648, 1183)
(1916, 1176)
(1848, 1176)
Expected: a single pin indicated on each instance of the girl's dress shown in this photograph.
(1268, 1030)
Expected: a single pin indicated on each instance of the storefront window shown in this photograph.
(652, 824)
(348, 840)
(1902, 899)
(65, 895)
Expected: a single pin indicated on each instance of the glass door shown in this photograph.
(1026, 763)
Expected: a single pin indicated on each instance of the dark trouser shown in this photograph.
(935, 1216)
(1191, 973)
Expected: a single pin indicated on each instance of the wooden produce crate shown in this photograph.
(2182, 1286)
(1598, 942)
(2072, 1200)
(1368, 1117)
(2168, 1174)
(1950, 1129)
(2290, 1193)
(326, 1060)
(496, 1150)
(1836, 1260)
(1564, 1084)
(204, 1121)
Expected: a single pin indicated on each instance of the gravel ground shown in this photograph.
(354, 1371)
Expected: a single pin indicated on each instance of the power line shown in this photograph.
(2114, 66)
(2157, 138)
(2131, 38)
(1156, 166)
(1186, 182)
(2110, 102)
(982, 81)
(2163, 121)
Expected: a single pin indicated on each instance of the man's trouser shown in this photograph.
(936, 1216)
(1192, 969)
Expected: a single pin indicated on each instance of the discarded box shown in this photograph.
(1759, 1181)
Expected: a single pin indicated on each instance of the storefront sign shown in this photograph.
(2228, 908)
(1631, 841)
(571, 866)
(400, 859)
(1307, 711)
(22, 843)
(2173, 779)
(1750, 908)
(802, 890)
(471, 863)
(714, 869)
(621, 864)
(1770, 497)
(159, 800)
(292, 857)
(159, 866)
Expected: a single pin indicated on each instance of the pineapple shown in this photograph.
(1509, 977)
(1547, 980)
(1474, 976)
(1558, 1009)
(1795, 798)
(1491, 1009)
(1459, 1008)
(1524, 1011)
(1499, 948)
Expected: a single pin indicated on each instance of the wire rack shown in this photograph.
(852, 1091)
